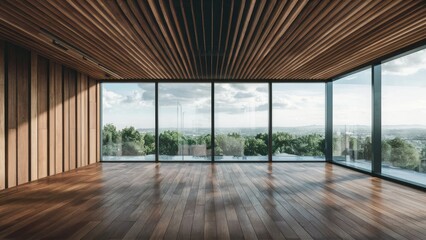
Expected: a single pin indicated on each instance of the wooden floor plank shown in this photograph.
(212, 201)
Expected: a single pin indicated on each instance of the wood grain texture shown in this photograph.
(11, 116)
(72, 89)
(52, 118)
(43, 116)
(59, 130)
(92, 121)
(66, 119)
(214, 39)
(79, 96)
(41, 131)
(23, 118)
(2, 117)
(84, 120)
(33, 116)
(213, 201)
(98, 122)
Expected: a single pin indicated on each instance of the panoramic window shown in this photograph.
(241, 122)
(404, 117)
(128, 121)
(184, 121)
(352, 120)
(298, 120)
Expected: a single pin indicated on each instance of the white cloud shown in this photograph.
(110, 98)
(407, 65)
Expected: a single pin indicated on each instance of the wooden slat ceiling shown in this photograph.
(214, 39)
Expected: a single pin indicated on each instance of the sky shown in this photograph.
(245, 105)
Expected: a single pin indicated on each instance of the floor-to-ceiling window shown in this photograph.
(298, 120)
(352, 120)
(184, 121)
(128, 121)
(404, 117)
(241, 121)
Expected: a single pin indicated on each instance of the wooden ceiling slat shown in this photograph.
(362, 34)
(243, 35)
(382, 43)
(145, 43)
(290, 15)
(214, 39)
(111, 11)
(300, 35)
(152, 23)
(305, 43)
(251, 37)
(326, 43)
(234, 37)
(222, 66)
(271, 16)
(149, 38)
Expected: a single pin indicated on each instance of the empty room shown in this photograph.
(212, 119)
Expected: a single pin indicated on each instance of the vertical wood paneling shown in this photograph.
(58, 120)
(73, 117)
(98, 122)
(34, 113)
(43, 110)
(66, 125)
(23, 93)
(84, 120)
(11, 117)
(2, 118)
(48, 117)
(52, 117)
(92, 121)
(79, 121)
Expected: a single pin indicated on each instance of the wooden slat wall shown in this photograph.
(23, 120)
(48, 112)
(66, 108)
(98, 122)
(2, 118)
(72, 98)
(11, 116)
(43, 116)
(92, 120)
(83, 120)
(34, 113)
(52, 117)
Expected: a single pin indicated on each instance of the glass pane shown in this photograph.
(352, 120)
(184, 121)
(404, 117)
(298, 120)
(241, 122)
(128, 121)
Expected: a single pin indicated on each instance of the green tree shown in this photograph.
(169, 142)
(400, 153)
(255, 146)
(110, 134)
(282, 143)
(305, 145)
(111, 140)
(132, 142)
(231, 144)
(149, 143)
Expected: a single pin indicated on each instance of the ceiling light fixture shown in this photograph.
(67, 47)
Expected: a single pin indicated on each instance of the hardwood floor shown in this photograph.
(212, 201)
